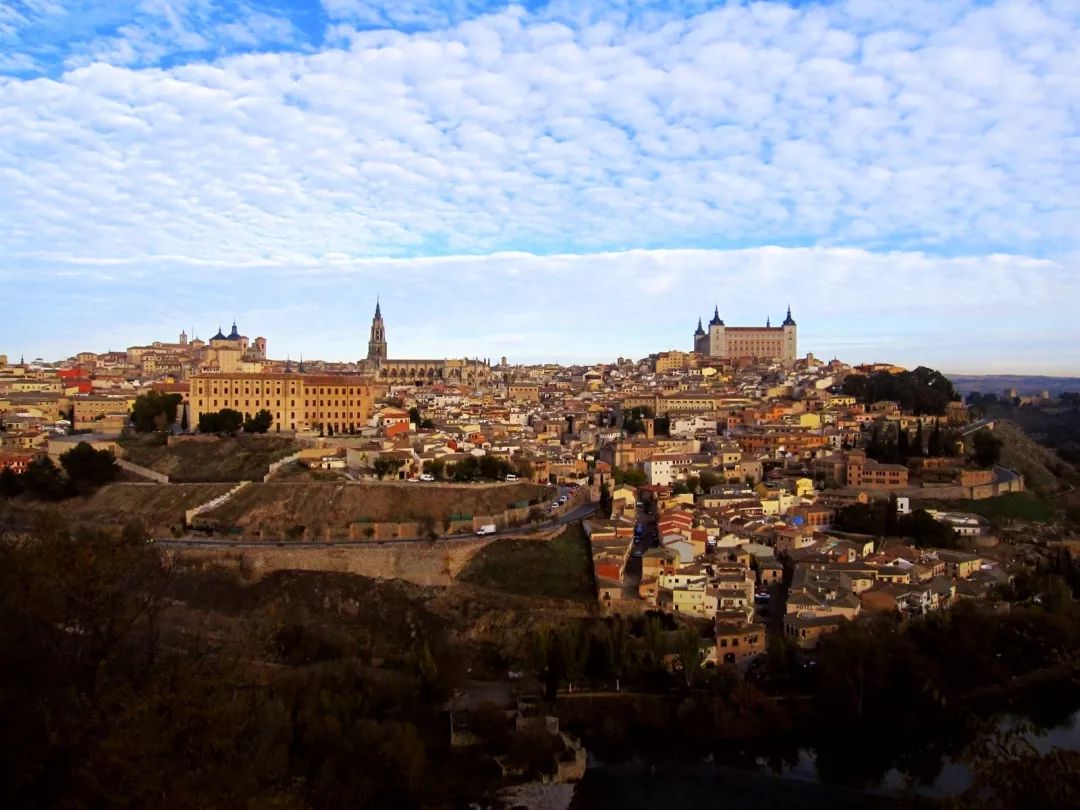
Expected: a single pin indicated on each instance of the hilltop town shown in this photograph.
(723, 510)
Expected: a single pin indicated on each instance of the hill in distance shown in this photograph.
(1025, 384)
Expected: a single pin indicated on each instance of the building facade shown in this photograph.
(296, 401)
(767, 343)
(417, 372)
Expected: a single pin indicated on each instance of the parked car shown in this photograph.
(511, 477)
(427, 477)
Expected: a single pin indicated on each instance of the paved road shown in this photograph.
(191, 541)
(648, 538)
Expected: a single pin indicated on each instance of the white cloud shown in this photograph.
(995, 313)
(742, 124)
(942, 127)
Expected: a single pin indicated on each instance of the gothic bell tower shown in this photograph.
(376, 352)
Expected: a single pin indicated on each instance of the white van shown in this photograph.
(511, 477)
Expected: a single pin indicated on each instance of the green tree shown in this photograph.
(260, 423)
(414, 415)
(987, 448)
(573, 649)
(10, 483)
(708, 480)
(43, 480)
(386, 465)
(225, 421)
(87, 468)
(688, 649)
(154, 411)
(606, 502)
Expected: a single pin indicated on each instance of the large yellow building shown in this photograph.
(765, 343)
(296, 401)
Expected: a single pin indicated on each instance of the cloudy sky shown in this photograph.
(546, 180)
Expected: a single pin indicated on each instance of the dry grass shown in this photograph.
(235, 458)
(341, 504)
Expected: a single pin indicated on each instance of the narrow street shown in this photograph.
(645, 538)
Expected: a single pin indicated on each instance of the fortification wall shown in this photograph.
(422, 563)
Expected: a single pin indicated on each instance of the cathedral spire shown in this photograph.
(789, 321)
(376, 355)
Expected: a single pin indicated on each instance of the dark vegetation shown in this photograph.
(879, 518)
(922, 391)
(897, 446)
(484, 468)
(559, 569)
(82, 471)
(107, 704)
(123, 683)
(1025, 507)
(154, 411)
(225, 422)
(880, 695)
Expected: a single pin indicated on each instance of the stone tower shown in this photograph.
(376, 352)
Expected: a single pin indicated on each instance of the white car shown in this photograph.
(427, 477)
(511, 477)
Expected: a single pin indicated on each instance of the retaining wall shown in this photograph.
(423, 563)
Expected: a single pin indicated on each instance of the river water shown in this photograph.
(648, 786)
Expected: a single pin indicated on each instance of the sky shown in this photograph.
(564, 180)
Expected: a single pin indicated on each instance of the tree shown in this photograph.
(224, 421)
(573, 652)
(43, 481)
(631, 477)
(87, 468)
(414, 415)
(922, 391)
(154, 411)
(688, 649)
(987, 448)
(10, 483)
(708, 480)
(427, 424)
(606, 501)
(384, 465)
(260, 423)
(616, 640)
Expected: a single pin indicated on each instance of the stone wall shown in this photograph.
(144, 472)
(423, 563)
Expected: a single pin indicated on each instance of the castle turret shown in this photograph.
(791, 350)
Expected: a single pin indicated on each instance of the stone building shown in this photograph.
(417, 372)
(767, 343)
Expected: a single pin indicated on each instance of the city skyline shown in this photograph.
(572, 182)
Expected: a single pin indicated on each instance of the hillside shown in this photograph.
(1025, 385)
(232, 458)
(338, 505)
(157, 507)
(1044, 472)
(559, 569)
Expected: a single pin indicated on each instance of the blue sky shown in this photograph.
(563, 180)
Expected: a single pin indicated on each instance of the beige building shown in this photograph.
(296, 401)
(417, 372)
(769, 343)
